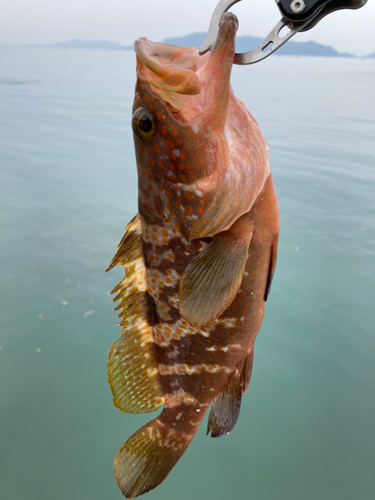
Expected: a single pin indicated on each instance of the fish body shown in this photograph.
(199, 256)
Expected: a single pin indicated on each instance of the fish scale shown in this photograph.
(199, 257)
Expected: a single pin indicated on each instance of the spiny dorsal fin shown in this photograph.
(211, 280)
(132, 366)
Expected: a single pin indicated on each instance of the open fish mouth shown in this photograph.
(184, 79)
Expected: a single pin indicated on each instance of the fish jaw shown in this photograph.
(197, 86)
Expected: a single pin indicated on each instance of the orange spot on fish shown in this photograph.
(166, 182)
(189, 167)
(164, 232)
(182, 178)
(174, 157)
(172, 177)
(151, 162)
(169, 206)
(164, 241)
(163, 174)
(154, 237)
(169, 143)
(147, 97)
(180, 166)
(160, 186)
(161, 164)
(192, 175)
(178, 202)
(159, 115)
(163, 130)
(141, 152)
(182, 155)
(157, 148)
(181, 218)
(148, 149)
(174, 132)
(168, 280)
(172, 166)
(175, 188)
(200, 210)
(169, 194)
(152, 175)
(154, 229)
(149, 187)
(188, 210)
(201, 201)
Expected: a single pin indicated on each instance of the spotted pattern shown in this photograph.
(180, 397)
(181, 369)
(176, 192)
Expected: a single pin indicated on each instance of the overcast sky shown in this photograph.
(123, 21)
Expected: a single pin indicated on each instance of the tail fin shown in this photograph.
(147, 457)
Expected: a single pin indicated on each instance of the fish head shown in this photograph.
(200, 155)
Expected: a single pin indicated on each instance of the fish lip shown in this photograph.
(181, 68)
(188, 82)
(169, 67)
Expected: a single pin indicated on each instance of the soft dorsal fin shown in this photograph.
(211, 280)
(132, 366)
(271, 271)
(225, 408)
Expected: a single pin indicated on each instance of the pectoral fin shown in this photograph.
(212, 280)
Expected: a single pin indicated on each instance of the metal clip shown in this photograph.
(297, 15)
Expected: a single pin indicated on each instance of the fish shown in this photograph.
(199, 256)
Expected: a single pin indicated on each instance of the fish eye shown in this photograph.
(143, 124)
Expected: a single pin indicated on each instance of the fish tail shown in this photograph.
(147, 457)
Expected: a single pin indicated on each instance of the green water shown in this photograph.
(67, 189)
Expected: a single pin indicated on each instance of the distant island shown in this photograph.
(243, 44)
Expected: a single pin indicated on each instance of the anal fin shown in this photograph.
(226, 407)
(132, 366)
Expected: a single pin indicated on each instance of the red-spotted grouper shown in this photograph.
(199, 256)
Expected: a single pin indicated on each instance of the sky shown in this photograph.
(123, 21)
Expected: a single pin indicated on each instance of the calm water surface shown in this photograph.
(67, 189)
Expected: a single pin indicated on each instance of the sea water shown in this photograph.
(68, 186)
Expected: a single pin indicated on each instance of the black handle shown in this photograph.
(302, 10)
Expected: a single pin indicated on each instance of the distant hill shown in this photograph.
(246, 43)
(243, 44)
(95, 44)
(370, 56)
